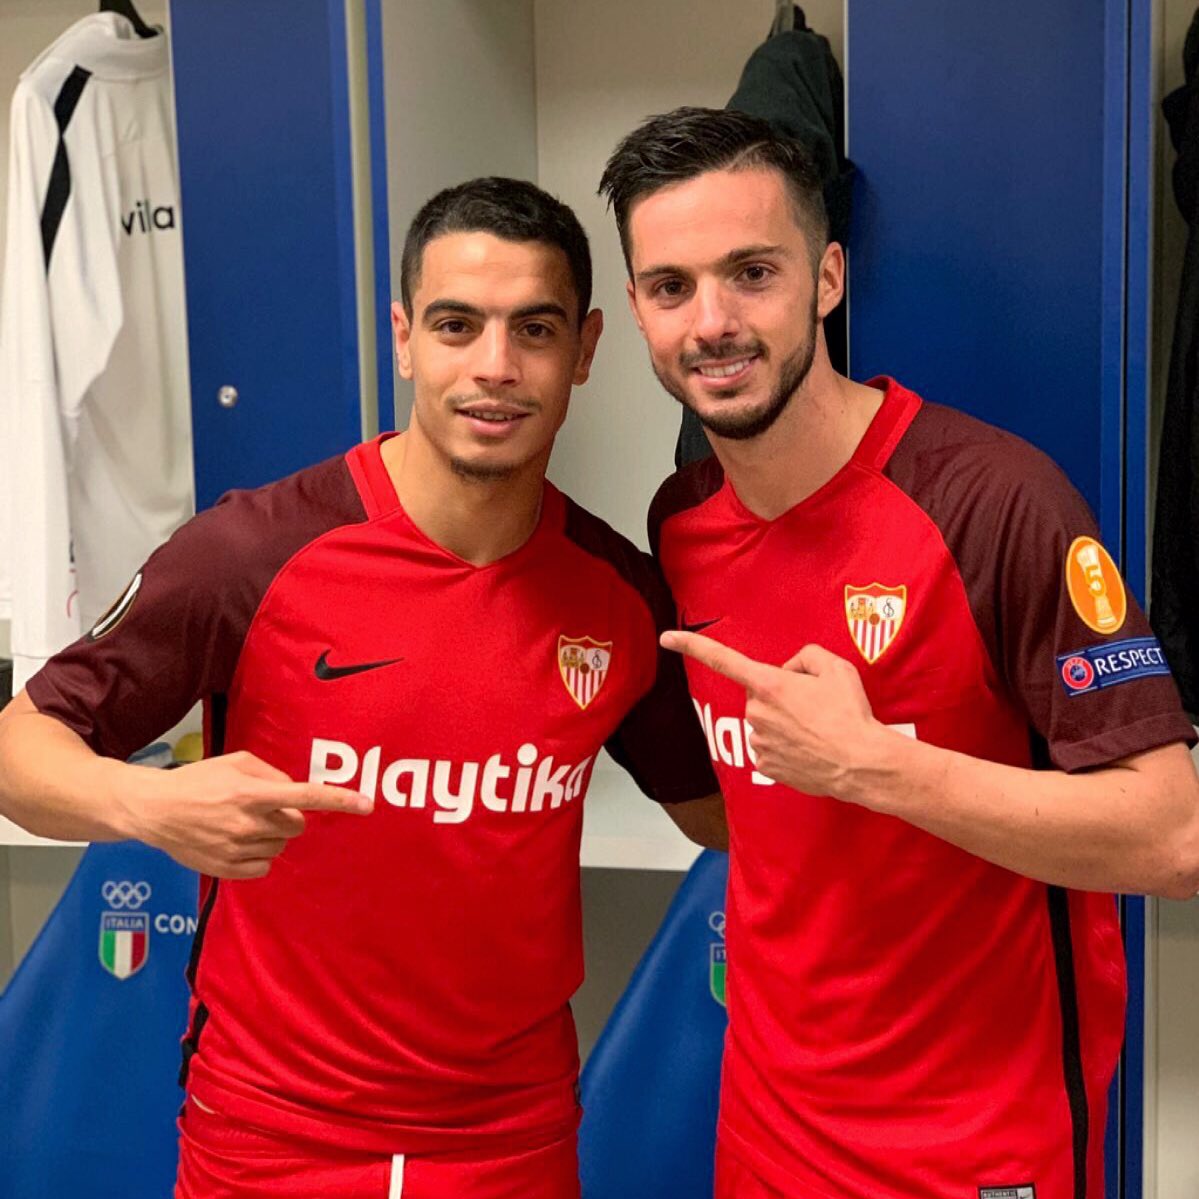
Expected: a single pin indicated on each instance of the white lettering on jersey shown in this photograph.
(539, 783)
(729, 740)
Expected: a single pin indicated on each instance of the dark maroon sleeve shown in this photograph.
(1009, 517)
(687, 488)
(175, 635)
(660, 741)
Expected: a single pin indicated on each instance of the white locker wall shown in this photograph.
(601, 68)
(460, 103)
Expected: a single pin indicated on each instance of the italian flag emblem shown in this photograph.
(124, 942)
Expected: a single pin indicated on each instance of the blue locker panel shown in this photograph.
(380, 213)
(978, 248)
(268, 236)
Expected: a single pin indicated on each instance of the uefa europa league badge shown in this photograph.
(1095, 587)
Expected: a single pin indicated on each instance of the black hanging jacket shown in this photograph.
(1174, 610)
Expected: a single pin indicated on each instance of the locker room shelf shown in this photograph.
(621, 828)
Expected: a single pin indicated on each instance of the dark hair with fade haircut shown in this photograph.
(510, 209)
(676, 146)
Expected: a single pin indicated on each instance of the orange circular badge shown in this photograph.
(1095, 587)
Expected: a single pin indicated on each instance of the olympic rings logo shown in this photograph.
(125, 894)
(716, 922)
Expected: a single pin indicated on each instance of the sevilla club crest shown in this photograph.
(875, 616)
(583, 663)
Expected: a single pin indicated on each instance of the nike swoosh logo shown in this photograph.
(325, 672)
(699, 625)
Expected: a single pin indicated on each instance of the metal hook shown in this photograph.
(784, 17)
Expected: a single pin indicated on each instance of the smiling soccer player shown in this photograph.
(410, 656)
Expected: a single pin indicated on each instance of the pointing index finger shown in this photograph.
(317, 797)
(720, 658)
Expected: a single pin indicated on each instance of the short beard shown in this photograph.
(474, 473)
(746, 425)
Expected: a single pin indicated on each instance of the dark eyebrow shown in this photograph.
(731, 259)
(540, 308)
(747, 252)
(436, 308)
(447, 307)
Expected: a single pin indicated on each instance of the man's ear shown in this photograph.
(631, 292)
(401, 327)
(830, 279)
(589, 335)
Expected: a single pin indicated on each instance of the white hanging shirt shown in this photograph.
(95, 428)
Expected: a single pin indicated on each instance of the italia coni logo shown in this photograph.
(717, 960)
(125, 928)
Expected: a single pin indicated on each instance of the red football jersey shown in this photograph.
(906, 1019)
(399, 982)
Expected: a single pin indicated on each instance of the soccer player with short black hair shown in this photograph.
(410, 657)
(942, 727)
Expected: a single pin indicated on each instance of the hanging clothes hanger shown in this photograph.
(784, 17)
(125, 9)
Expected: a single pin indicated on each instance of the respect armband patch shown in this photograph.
(1108, 665)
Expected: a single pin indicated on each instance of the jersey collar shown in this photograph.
(379, 498)
(890, 423)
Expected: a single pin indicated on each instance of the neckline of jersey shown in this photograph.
(100, 45)
(890, 422)
(381, 499)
